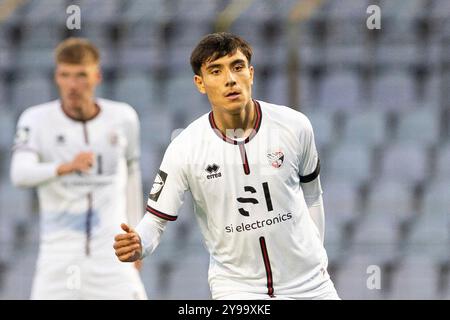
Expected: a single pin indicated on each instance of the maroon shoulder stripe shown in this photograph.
(160, 214)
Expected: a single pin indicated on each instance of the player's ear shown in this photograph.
(252, 71)
(55, 74)
(99, 76)
(199, 84)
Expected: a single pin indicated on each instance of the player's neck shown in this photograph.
(86, 113)
(238, 125)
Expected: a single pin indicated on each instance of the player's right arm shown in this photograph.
(165, 198)
(27, 169)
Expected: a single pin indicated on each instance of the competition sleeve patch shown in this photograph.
(22, 136)
(158, 185)
(310, 177)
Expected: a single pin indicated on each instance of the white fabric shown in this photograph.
(248, 219)
(150, 230)
(27, 171)
(134, 194)
(80, 213)
(314, 201)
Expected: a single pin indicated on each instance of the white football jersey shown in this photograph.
(81, 213)
(249, 202)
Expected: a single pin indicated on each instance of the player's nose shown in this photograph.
(230, 79)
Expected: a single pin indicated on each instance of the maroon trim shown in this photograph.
(257, 122)
(86, 136)
(218, 132)
(160, 214)
(270, 290)
(244, 159)
(252, 134)
(88, 225)
(81, 120)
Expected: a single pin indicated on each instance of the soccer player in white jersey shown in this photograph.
(82, 154)
(253, 171)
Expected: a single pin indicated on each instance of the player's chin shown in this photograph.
(234, 107)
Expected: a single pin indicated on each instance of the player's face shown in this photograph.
(227, 82)
(77, 83)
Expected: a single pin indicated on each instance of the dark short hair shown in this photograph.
(217, 45)
(77, 51)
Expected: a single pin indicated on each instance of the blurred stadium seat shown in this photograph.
(416, 277)
(407, 163)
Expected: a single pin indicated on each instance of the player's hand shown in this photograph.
(83, 161)
(128, 245)
(138, 265)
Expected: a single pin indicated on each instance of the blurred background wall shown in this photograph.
(378, 101)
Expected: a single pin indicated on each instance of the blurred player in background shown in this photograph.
(82, 154)
(253, 170)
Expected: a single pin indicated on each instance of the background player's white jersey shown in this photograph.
(80, 213)
(249, 203)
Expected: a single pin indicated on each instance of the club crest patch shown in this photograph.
(276, 158)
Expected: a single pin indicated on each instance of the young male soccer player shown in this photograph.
(82, 155)
(253, 171)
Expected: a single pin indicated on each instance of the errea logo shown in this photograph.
(212, 170)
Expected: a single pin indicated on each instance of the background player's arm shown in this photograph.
(134, 193)
(27, 167)
(28, 171)
(134, 179)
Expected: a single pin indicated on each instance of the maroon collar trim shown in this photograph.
(232, 141)
(99, 109)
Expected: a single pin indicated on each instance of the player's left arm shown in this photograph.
(313, 197)
(309, 170)
(134, 182)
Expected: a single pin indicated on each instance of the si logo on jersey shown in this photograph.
(276, 158)
(158, 185)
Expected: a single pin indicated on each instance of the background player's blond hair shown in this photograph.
(77, 51)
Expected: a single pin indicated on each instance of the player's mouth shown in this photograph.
(233, 95)
(73, 96)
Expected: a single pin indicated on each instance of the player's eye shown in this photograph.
(81, 75)
(215, 71)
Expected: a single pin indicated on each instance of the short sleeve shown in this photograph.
(27, 135)
(167, 193)
(309, 162)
